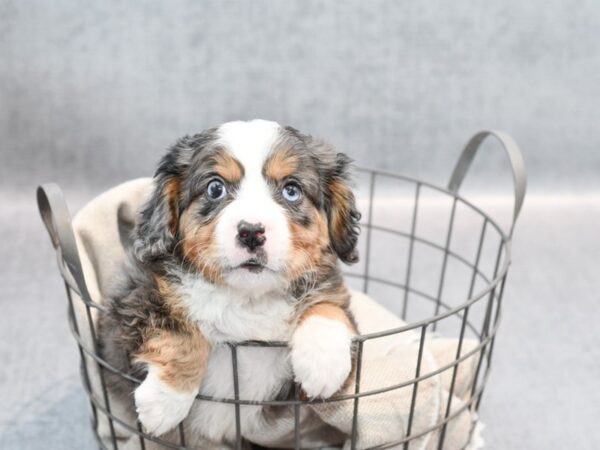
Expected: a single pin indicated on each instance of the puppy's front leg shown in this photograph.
(321, 352)
(176, 363)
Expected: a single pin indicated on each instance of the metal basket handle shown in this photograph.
(517, 165)
(56, 218)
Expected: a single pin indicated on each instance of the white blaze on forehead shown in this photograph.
(251, 143)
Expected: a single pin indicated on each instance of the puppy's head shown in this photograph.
(251, 205)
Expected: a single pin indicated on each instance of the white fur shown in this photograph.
(262, 373)
(160, 407)
(230, 315)
(321, 356)
(227, 314)
(250, 143)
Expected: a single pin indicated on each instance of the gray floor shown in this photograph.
(543, 392)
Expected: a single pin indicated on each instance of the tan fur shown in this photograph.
(180, 357)
(281, 165)
(171, 192)
(329, 311)
(308, 244)
(170, 296)
(228, 167)
(198, 241)
(340, 207)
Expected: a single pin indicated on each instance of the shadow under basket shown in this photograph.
(435, 263)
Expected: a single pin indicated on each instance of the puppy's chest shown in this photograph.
(224, 315)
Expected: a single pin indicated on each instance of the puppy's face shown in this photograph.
(251, 205)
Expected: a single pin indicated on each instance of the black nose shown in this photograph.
(251, 235)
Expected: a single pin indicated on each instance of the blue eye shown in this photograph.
(216, 190)
(291, 192)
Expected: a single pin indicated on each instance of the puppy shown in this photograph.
(239, 241)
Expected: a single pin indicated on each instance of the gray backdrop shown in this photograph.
(91, 93)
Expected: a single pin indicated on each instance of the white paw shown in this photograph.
(321, 356)
(160, 408)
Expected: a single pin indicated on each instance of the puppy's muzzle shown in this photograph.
(251, 235)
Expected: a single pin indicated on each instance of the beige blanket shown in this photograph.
(102, 229)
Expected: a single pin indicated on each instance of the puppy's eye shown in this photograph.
(292, 192)
(216, 190)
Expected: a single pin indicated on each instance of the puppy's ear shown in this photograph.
(342, 213)
(338, 200)
(159, 218)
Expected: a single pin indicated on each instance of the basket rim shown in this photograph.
(491, 285)
(390, 174)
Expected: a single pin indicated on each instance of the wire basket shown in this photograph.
(429, 255)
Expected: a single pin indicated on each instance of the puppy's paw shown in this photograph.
(321, 356)
(160, 408)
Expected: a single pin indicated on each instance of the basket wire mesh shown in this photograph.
(428, 309)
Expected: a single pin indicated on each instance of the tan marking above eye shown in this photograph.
(228, 168)
(281, 165)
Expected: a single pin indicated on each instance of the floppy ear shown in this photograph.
(340, 205)
(159, 218)
(338, 199)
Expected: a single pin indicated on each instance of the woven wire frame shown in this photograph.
(484, 293)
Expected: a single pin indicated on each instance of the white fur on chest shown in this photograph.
(228, 316)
